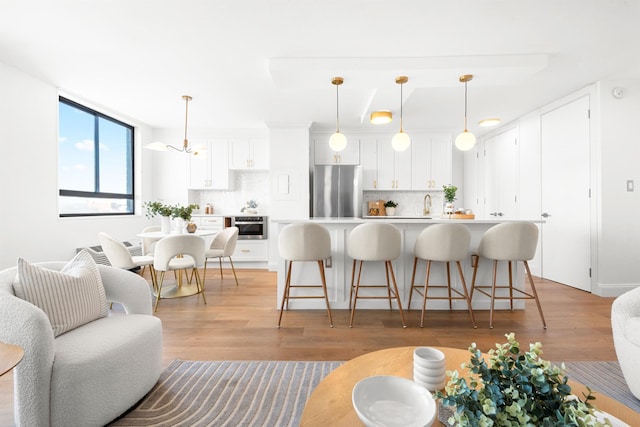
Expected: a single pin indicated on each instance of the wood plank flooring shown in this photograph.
(239, 323)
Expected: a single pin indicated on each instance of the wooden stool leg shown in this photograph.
(285, 294)
(413, 277)
(353, 272)
(355, 296)
(426, 291)
(324, 288)
(395, 289)
(475, 260)
(466, 294)
(535, 294)
(386, 272)
(449, 285)
(493, 292)
(510, 286)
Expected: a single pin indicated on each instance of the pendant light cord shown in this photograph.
(465, 106)
(337, 109)
(185, 143)
(401, 107)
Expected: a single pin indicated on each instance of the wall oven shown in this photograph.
(250, 227)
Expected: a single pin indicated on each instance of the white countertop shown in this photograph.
(400, 220)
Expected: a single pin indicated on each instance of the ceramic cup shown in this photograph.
(429, 367)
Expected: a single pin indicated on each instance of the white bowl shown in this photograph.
(430, 383)
(393, 401)
(430, 377)
(428, 357)
(430, 372)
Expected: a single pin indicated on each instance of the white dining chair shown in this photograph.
(120, 257)
(222, 245)
(176, 253)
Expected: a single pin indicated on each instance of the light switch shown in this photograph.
(629, 185)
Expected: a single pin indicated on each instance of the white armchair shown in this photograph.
(625, 324)
(89, 375)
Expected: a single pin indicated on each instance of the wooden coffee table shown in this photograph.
(330, 403)
(10, 356)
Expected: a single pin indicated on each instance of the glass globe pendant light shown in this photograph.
(401, 141)
(337, 141)
(465, 140)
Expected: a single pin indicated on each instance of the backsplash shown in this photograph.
(246, 186)
(410, 203)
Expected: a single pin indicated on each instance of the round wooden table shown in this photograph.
(10, 356)
(330, 403)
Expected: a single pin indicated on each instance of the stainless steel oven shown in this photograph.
(250, 227)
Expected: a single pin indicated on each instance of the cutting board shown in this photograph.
(460, 216)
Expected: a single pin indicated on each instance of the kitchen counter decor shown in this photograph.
(514, 388)
(449, 198)
(390, 207)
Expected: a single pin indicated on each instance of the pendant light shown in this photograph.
(465, 140)
(161, 146)
(401, 141)
(337, 141)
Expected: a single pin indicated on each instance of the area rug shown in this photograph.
(236, 393)
(230, 393)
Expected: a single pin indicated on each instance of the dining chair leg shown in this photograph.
(199, 284)
(159, 291)
(204, 271)
(233, 268)
(220, 262)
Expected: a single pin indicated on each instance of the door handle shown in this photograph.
(493, 213)
(545, 215)
(500, 214)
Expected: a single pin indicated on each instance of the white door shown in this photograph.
(566, 237)
(501, 175)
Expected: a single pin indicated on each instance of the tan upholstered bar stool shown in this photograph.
(445, 243)
(510, 242)
(304, 241)
(378, 242)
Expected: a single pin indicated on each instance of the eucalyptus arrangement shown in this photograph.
(157, 208)
(449, 193)
(184, 212)
(514, 389)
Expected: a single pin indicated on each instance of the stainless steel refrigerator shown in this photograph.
(337, 191)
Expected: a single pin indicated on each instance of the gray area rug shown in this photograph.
(229, 394)
(236, 393)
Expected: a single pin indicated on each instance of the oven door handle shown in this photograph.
(248, 222)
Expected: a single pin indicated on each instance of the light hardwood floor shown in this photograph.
(239, 323)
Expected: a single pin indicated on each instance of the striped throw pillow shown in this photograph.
(70, 297)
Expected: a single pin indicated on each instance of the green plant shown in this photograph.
(390, 204)
(514, 389)
(449, 193)
(184, 212)
(157, 208)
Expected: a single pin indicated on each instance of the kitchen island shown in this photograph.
(338, 267)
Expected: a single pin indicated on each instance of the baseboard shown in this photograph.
(613, 289)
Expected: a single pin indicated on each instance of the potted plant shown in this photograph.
(165, 212)
(449, 198)
(390, 207)
(183, 213)
(513, 389)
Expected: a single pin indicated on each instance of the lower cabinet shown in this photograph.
(251, 250)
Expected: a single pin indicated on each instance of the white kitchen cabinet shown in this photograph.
(431, 161)
(249, 153)
(210, 170)
(324, 155)
(394, 167)
(251, 250)
(369, 162)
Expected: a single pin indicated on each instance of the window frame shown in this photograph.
(97, 194)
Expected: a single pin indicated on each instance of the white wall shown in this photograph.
(29, 224)
(619, 230)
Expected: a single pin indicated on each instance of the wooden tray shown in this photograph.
(460, 216)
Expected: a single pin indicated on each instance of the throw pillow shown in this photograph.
(70, 297)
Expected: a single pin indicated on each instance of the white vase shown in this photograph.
(181, 226)
(391, 211)
(165, 224)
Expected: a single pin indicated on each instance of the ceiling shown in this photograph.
(258, 63)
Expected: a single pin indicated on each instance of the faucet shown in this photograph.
(425, 210)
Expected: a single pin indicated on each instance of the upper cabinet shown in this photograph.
(324, 155)
(431, 161)
(383, 168)
(249, 154)
(209, 170)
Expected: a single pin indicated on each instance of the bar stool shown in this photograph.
(374, 242)
(442, 243)
(511, 242)
(304, 241)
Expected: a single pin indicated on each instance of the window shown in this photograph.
(95, 162)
